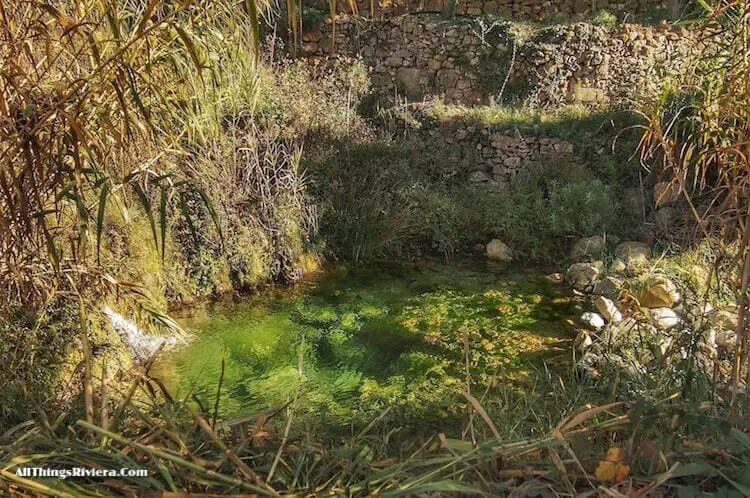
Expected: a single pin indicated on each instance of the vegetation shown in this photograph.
(701, 140)
(397, 197)
(153, 153)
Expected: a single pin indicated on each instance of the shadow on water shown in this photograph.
(388, 336)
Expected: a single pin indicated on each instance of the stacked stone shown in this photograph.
(497, 155)
(509, 9)
(426, 56)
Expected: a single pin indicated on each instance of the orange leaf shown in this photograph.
(615, 455)
(612, 470)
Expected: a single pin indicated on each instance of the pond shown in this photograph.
(349, 343)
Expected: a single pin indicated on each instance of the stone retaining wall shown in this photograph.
(482, 59)
(496, 155)
(509, 9)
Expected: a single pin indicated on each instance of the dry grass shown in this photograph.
(140, 425)
(91, 99)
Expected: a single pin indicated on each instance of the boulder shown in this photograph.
(582, 276)
(608, 309)
(665, 318)
(725, 338)
(407, 80)
(588, 247)
(633, 253)
(617, 266)
(588, 365)
(608, 287)
(657, 292)
(496, 250)
(593, 320)
(724, 320)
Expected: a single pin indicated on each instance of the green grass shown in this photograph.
(572, 123)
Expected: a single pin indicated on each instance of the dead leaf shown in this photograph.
(612, 469)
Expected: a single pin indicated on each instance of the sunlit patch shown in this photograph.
(409, 339)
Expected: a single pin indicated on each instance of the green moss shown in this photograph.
(370, 339)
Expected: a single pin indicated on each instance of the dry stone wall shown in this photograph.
(476, 60)
(509, 9)
(496, 155)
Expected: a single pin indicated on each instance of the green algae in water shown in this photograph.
(392, 336)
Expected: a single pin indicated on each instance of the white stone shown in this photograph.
(593, 320)
(665, 318)
(608, 309)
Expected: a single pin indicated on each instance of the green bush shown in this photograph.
(312, 18)
(32, 349)
(584, 208)
(393, 200)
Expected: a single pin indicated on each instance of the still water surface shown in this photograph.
(349, 343)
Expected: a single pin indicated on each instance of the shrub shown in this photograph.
(584, 208)
(391, 199)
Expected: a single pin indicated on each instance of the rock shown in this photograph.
(725, 339)
(479, 177)
(665, 318)
(588, 246)
(593, 320)
(608, 287)
(553, 278)
(582, 341)
(583, 275)
(588, 363)
(407, 79)
(657, 292)
(724, 320)
(498, 251)
(633, 253)
(617, 266)
(446, 78)
(705, 310)
(608, 309)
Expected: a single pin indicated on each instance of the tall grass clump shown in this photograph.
(95, 106)
(700, 138)
(90, 109)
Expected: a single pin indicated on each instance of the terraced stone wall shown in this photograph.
(481, 59)
(509, 9)
(495, 155)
